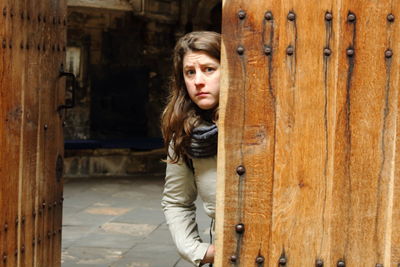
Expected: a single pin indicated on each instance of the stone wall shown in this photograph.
(112, 162)
(123, 73)
(125, 69)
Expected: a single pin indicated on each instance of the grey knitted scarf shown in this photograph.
(203, 142)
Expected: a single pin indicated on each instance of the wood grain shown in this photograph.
(316, 129)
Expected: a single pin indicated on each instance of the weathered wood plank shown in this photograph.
(302, 133)
(27, 173)
(360, 142)
(11, 114)
(255, 135)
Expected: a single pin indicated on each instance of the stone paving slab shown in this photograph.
(117, 222)
(141, 215)
(89, 256)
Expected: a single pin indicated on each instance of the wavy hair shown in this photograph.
(181, 115)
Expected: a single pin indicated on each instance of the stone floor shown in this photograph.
(118, 222)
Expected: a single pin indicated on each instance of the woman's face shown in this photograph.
(201, 73)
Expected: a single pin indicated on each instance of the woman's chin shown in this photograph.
(206, 105)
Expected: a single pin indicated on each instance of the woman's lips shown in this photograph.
(201, 94)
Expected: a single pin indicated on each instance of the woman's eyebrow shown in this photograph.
(201, 64)
(209, 64)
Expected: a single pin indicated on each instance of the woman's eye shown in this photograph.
(190, 72)
(209, 69)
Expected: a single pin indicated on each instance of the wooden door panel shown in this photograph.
(309, 110)
(33, 35)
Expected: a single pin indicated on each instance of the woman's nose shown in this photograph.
(199, 79)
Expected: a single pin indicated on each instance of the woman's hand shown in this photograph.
(209, 257)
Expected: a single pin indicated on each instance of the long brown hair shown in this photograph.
(181, 115)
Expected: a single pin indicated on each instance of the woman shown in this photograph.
(190, 134)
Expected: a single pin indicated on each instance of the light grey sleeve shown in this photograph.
(179, 195)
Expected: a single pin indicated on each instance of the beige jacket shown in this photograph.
(180, 192)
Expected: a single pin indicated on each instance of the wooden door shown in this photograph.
(308, 134)
(32, 50)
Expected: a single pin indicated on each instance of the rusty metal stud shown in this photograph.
(22, 249)
(351, 17)
(45, 126)
(241, 14)
(44, 204)
(65, 22)
(54, 233)
(11, 12)
(5, 12)
(33, 242)
(16, 221)
(53, 47)
(60, 230)
(54, 203)
(319, 263)
(267, 50)
(22, 15)
(5, 227)
(21, 45)
(260, 260)
(49, 235)
(44, 19)
(10, 44)
(23, 220)
(291, 16)
(27, 46)
(328, 16)
(39, 240)
(233, 258)
(341, 263)
(350, 52)
(64, 48)
(327, 52)
(239, 228)
(388, 53)
(4, 44)
(50, 207)
(240, 170)
(16, 252)
(28, 16)
(4, 257)
(240, 50)
(58, 47)
(268, 15)
(54, 20)
(290, 50)
(390, 17)
(38, 47)
(34, 214)
(282, 261)
(39, 18)
(64, 123)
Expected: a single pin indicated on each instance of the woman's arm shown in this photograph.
(179, 195)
